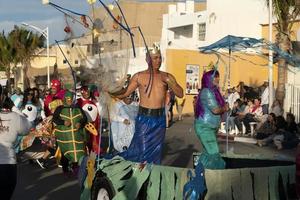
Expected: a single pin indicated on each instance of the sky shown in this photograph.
(14, 12)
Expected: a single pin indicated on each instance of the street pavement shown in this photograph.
(181, 142)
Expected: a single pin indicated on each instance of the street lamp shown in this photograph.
(45, 33)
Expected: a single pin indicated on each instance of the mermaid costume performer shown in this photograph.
(207, 123)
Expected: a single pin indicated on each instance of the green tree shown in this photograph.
(286, 12)
(26, 44)
(7, 56)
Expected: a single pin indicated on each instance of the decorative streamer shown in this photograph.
(71, 68)
(131, 36)
(127, 29)
(115, 20)
(150, 82)
(62, 10)
(68, 10)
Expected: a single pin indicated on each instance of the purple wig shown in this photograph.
(207, 82)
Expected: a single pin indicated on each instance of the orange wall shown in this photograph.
(244, 67)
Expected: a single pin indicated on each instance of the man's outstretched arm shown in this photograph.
(132, 86)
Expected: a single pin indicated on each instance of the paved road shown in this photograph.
(35, 183)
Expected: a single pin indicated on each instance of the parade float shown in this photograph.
(245, 177)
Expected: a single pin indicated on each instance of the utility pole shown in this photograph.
(270, 54)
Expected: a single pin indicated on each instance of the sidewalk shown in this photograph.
(181, 142)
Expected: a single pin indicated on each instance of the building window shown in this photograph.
(76, 62)
(183, 32)
(201, 31)
(176, 35)
(64, 61)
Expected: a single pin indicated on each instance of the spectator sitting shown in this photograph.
(267, 128)
(241, 115)
(234, 113)
(291, 124)
(276, 108)
(290, 139)
(232, 97)
(278, 134)
(254, 115)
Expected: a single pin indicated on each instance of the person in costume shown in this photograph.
(150, 123)
(88, 105)
(55, 98)
(210, 105)
(69, 120)
(123, 117)
(51, 102)
(11, 125)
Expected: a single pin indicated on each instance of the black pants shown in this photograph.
(265, 109)
(261, 136)
(238, 123)
(247, 119)
(8, 180)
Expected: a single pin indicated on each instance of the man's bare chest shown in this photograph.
(158, 82)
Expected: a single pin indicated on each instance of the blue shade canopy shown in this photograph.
(236, 43)
(289, 58)
(231, 43)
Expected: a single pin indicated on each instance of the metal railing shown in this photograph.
(292, 100)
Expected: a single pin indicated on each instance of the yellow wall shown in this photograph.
(293, 35)
(244, 67)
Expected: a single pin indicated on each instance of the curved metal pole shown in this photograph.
(228, 113)
(71, 68)
(44, 33)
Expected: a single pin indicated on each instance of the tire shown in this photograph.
(102, 187)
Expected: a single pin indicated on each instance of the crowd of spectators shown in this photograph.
(251, 106)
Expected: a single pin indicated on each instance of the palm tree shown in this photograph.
(7, 56)
(286, 12)
(27, 44)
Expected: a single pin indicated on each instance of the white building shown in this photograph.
(185, 29)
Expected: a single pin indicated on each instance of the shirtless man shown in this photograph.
(150, 125)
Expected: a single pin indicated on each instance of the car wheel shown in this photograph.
(102, 188)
